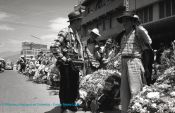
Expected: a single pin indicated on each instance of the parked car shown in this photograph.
(2, 64)
(9, 65)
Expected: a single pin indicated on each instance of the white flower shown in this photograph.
(137, 106)
(154, 105)
(143, 111)
(172, 94)
(153, 95)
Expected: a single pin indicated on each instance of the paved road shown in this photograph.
(18, 95)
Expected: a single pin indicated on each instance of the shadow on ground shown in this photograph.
(53, 93)
(54, 110)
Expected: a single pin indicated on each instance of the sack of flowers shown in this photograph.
(95, 82)
(98, 84)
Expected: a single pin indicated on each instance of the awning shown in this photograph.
(162, 25)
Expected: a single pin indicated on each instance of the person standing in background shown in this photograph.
(145, 42)
(108, 52)
(92, 51)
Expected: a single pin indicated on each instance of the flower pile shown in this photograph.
(95, 82)
(158, 98)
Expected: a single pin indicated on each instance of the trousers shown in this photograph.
(69, 85)
(131, 80)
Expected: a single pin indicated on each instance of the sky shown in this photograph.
(23, 20)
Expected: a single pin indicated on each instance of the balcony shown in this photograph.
(104, 10)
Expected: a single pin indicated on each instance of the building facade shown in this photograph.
(102, 14)
(158, 17)
(32, 49)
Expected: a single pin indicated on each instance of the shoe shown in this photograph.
(63, 110)
(74, 109)
(68, 111)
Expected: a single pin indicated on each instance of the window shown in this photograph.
(168, 8)
(151, 13)
(110, 22)
(161, 10)
(104, 24)
(100, 25)
(97, 26)
(145, 14)
(140, 14)
(99, 4)
(173, 7)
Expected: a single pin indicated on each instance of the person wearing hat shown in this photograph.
(137, 22)
(147, 51)
(69, 81)
(74, 28)
(173, 45)
(22, 62)
(132, 79)
(92, 51)
(108, 52)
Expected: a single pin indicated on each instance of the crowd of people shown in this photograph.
(40, 69)
(70, 60)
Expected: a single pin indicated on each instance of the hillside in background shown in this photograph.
(9, 55)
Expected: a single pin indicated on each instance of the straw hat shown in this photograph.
(95, 31)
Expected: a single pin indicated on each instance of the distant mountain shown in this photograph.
(9, 55)
(13, 58)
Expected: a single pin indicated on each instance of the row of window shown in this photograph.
(95, 6)
(103, 24)
(166, 8)
(31, 52)
(145, 14)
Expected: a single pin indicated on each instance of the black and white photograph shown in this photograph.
(87, 56)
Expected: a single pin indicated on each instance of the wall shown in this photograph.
(103, 17)
(95, 13)
(140, 3)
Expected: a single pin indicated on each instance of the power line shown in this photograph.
(35, 37)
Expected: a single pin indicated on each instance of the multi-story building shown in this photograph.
(158, 17)
(102, 14)
(32, 49)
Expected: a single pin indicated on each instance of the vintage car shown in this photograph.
(9, 65)
(2, 64)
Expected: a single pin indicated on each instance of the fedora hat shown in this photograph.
(126, 14)
(74, 16)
